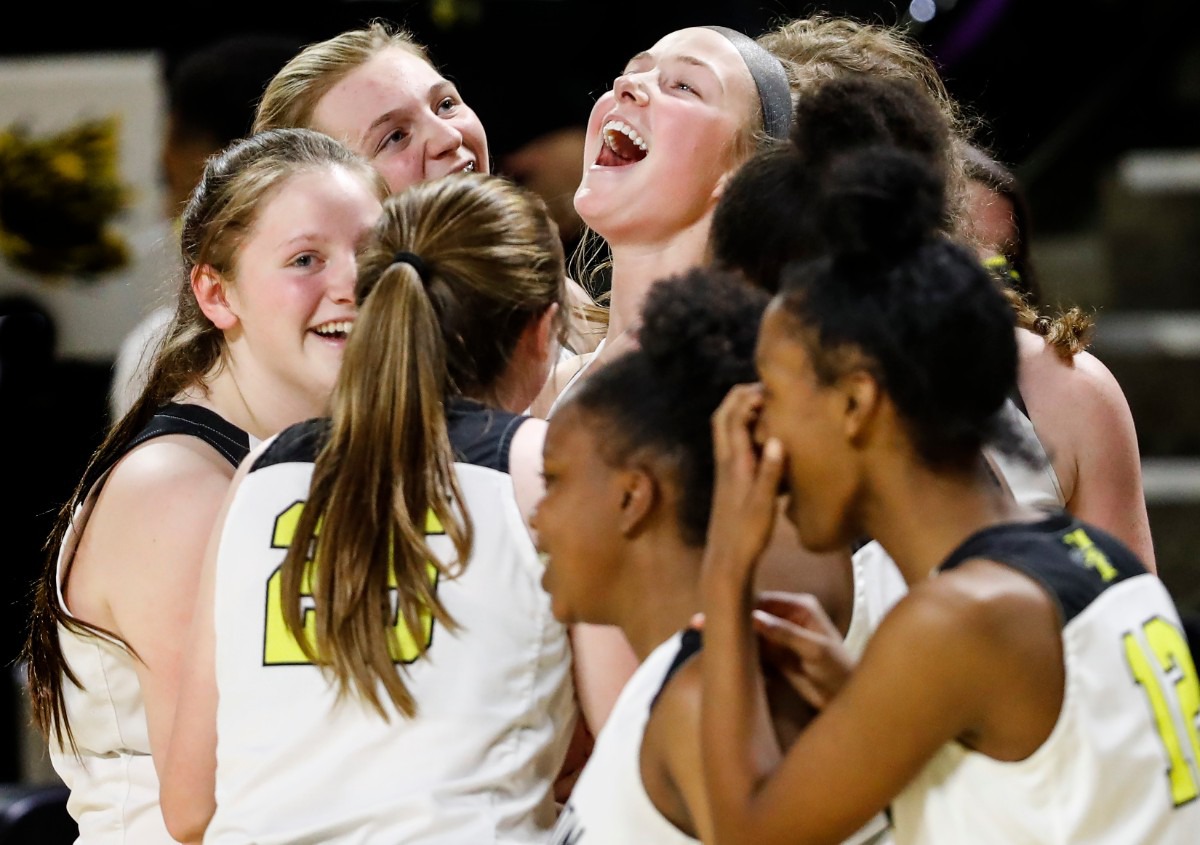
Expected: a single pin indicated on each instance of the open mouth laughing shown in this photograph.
(623, 145)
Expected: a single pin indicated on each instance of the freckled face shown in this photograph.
(577, 520)
(807, 418)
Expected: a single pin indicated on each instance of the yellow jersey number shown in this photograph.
(1166, 646)
(280, 647)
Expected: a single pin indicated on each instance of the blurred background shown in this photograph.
(1095, 106)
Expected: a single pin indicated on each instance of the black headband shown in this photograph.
(774, 92)
(416, 262)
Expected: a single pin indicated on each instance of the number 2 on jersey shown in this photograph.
(1165, 646)
(280, 647)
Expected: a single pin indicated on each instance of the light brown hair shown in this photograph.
(292, 95)
(488, 262)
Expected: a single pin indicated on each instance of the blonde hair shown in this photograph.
(1067, 332)
(291, 97)
(488, 262)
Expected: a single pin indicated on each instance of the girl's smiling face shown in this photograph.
(408, 120)
(661, 142)
(294, 276)
(577, 519)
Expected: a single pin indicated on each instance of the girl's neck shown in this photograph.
(637, 266)
(948, 507)
(252, 404)
(670, 572)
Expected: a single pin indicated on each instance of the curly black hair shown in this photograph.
(919, 311)
(698, 334)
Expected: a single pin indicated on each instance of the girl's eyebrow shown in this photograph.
(441, 88)
(643, 56)
(703, 65)
(683, 58)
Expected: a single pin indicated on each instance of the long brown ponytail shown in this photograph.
(479, 259)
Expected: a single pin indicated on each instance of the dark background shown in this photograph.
(1063, 86)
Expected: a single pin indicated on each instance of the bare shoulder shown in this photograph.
(961, 638)
(560, 377)
(1082, 378)
(527, 443)
(972, 610)
(148, 531)
(670, 758)
(168, 472)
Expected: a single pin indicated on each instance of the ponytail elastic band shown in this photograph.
(774, 92)
(416, 262)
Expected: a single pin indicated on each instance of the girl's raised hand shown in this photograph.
(747, 483)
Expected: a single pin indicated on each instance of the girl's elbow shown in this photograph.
(185, 821)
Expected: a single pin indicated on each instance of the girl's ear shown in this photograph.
(209, 291)
(638, 498)
(538, 337)
(862, 397)
(722, 183)
(544, 334)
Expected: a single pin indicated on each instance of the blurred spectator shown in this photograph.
(1000, 217)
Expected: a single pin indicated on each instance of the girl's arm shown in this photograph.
(892, 715)
(187, 776)
(1083, 419)
(158, 508)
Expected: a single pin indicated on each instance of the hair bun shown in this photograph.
(861, 111)
(877, 201)
(702, 321)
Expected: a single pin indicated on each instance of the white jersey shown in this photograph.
(1035, 487)
(609, 804)
(1122, 763)
(113, 782)
(494, 698)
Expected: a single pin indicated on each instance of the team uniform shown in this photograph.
(114, 786)
(1122, 764)
(495, 707)
(609, 804)
(1037, 487)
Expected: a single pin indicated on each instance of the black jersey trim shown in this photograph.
(231, 442)
(480, 434)
(1042, 551)
(193, 420)
(298, 443)
(690, 644)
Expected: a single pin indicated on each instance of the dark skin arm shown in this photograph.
(671, 765)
